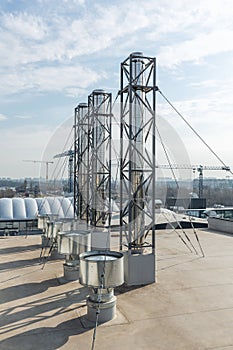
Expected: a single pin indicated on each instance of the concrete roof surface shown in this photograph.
(190, 307)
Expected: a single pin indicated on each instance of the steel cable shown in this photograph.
(192, 128)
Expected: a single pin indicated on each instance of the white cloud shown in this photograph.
(2, 117)
(40, 43)
(61, 47)
(58, 78)
(62, 5)
(67, 79)
(24, 25)
(196, 49)
(66, 36)
(23, 117)
(210, 83)
(202, 112)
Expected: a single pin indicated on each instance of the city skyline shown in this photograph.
(53, 54)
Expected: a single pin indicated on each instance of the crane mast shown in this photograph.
(46, 162)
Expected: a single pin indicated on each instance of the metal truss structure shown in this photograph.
(81, 161)
(137, 153)
(100, 126)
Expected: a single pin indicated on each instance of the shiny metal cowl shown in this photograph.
(101, 269)
(74, 242)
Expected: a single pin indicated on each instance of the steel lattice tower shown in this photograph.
(137, 168)
(81, 161)
(100, 123)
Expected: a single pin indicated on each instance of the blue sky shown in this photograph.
(53, 53)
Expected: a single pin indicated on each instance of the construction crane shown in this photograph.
(47, 162)
(199, 168)
(70, 154)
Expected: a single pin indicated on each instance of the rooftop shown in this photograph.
(190, 306)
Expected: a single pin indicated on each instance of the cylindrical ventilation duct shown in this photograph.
(136, 138)
(100, 113)
(137, 166)
(42, 222)
(101, 271)
(81, 161)
(72, 244)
